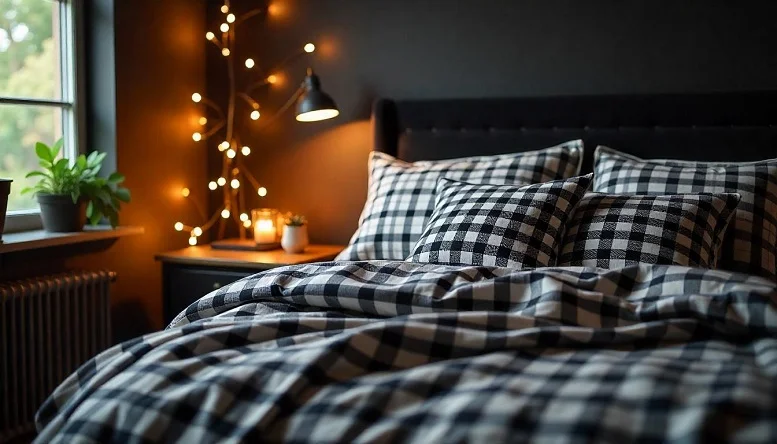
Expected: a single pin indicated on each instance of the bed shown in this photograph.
(387, 351)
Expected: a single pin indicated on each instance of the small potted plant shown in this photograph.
(295, 234)
(69, 194)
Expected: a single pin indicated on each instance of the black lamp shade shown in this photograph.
(314, 104)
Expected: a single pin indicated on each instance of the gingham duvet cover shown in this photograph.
(393, 351)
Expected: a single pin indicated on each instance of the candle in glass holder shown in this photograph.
(265, 230)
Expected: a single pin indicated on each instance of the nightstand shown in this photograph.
(190, 273)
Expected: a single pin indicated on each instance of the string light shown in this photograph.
(309, 47)
(255, 115)
(196, 137)
(224, 27)
(196, 97)
(192, 241)
(225, 52)
(235, 184)
(271, 79)
(212, 185)
(223, 146)
(185, 192)
(247, 223)
(197, 231)
(221, 181)
(225, 213)
(225, 8)
(231, 153)
(243, 217)
(203, 120)
(178, 226)
(210, 36)
(250, 63)
(262, 191)
(245, 150)
(231, 18)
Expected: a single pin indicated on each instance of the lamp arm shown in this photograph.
(285, 107)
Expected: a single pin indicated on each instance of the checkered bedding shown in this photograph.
(393, 351)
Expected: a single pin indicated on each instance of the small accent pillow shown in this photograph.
(614, 231)
(400, 195)
(750, 246)
(498, 225)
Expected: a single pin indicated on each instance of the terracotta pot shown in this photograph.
(294, 239)
(60, 215)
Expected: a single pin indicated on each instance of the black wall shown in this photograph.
(472, 48)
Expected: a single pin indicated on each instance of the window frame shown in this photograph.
(71, 25)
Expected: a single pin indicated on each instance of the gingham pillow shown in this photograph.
(614, 231)
(498, 225)
(400, 195)
(750, 245)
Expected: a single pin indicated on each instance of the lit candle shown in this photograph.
(264, 231)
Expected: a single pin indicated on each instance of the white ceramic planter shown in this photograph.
(294, 239)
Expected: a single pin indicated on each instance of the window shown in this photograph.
(37, 92)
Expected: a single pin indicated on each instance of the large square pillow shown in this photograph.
(750, 244)
(400, 195)
(498, 225)
(614, 231)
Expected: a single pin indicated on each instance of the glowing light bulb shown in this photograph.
(309, 47)
(210, 36)
(271, 79)
(224, 9)
(192, 241)
(212, 185)
(178, 226)
(231, 18)
(196, 137)
(245, 150)
(262, 191)
(225, 52)
(235, 184)
(196, 97)
(221, 181)
(255, 115)
(250, 63)
(197, 231)
(231, 153)
(223, 146)
(185, 192)
(225, 213)
(247, 223)
(203, 120)
(243, 217)
(224, 27)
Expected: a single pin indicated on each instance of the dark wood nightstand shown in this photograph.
(190, 273)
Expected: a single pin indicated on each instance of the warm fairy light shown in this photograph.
(185, 192)
(203, 120)
(243, 217)
(247, 223)
(271, 79)
(262, 191)
(223, 146)
(225, 52)
(231, 153)
(196, 97)
(245, 150)
(225, 8)
(193, 241)
(221, 181)
(255, 115)
(212, 185)
(235, 184)
(225, 213)
(196, 137)
(210, 36)
(178, 226)
(309, 47)
(224, 27)
(197, 231)
(250, 63)
(231, 18)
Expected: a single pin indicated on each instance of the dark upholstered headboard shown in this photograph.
(711, 127)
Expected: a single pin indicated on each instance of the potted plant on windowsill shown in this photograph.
(69, 194)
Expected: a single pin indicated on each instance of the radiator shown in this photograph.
(49, 326)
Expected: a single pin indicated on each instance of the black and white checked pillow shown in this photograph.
(750, 245)
(614, 231)
(499, 225)
(400, 195)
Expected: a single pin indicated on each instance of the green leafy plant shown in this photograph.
(296, 220)
(80, 181)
